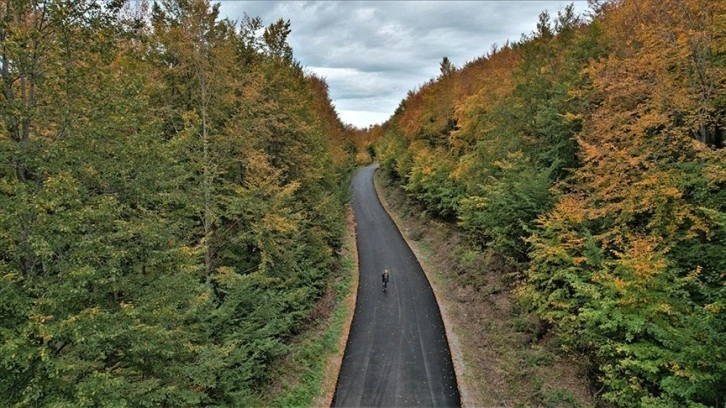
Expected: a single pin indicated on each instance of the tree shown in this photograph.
(447, 67)
(94, 266)
(624, 264)
(275, 40)
(589, 154)
(201, 51)
(153, 250)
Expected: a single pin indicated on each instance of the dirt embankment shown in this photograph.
(500, 355)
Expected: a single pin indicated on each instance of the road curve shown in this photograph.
(397, 353)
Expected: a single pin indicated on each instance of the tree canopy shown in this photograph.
(172, 189)
(589, 156)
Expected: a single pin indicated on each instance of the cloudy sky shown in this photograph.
(372, 53)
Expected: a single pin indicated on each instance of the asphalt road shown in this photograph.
(397, 353)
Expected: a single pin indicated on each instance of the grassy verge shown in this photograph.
(501, 358)
(308, 374)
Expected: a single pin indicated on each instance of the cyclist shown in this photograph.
(384, 278)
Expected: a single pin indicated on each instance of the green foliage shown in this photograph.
(501, 215)
(391, 152)
(308, 362)
(590, 155)
(430, 182)
(165, 228)
(560, 398)
(371, 150)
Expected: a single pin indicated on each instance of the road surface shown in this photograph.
(397, 353)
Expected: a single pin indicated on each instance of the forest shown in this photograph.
(588, 157)
(172, 187)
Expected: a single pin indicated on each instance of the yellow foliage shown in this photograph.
(714, 308)
(665, 308)
(619, 284)
(278, 223)
(570, 209)
(643, 257)
(41, 318)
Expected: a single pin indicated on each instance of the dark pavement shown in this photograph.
(397, 353)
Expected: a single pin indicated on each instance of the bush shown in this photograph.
(501, 215)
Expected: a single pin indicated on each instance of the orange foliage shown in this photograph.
(485, 82)
(663, 64)
(336, 134)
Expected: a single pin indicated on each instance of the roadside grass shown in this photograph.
(500, 353)
(307, 376)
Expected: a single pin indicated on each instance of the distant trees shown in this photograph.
(171, 194)
(446, 66)
(590, 157)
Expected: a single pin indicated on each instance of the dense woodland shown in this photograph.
(171, 192)
(172, 187)
(590, 157)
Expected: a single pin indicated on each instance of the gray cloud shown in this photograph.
(373, 52)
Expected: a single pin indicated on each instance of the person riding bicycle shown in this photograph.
(384, 278)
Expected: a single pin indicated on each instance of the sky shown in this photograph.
(371, 53)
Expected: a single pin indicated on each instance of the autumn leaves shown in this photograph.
(162, 178)
(590, 155)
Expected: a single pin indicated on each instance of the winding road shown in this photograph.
(397, 353)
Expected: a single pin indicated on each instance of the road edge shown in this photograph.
(336, 360)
